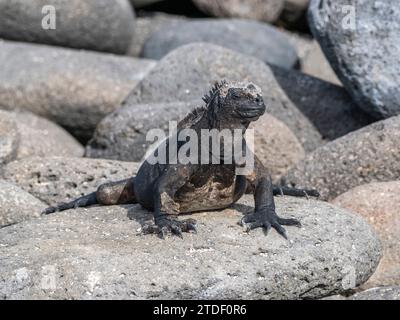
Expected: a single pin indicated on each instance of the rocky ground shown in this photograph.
(77, 101)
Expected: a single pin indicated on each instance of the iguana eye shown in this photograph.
(236, 94)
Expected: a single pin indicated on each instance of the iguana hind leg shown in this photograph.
(112, 193)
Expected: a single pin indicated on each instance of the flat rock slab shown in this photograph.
(188, 72)
(40, 137)
(17, 205)
(362, 42)
(97, 253)
(256, 39)
(382, 293)
(101, 25)
(74, 88)
(370, 154)
(59, 179)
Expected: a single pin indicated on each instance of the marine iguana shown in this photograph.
(173, 188)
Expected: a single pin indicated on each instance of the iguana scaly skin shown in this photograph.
(170, 189)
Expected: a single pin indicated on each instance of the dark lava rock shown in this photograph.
(362, 42)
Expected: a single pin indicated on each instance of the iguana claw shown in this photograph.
(165, 225)
(262, 219)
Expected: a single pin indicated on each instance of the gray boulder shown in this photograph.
(98, 253)
(41, 138)
(256, 39)
(16, 205)
(329, 107)
(74, 88)
(9, 140)
(263, 10)
(188, 72)
(59, 179)
(370, 154)
(361, 40)
(101, 25)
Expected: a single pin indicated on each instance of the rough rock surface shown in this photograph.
(9, 140)
(329, 107)
(122, 135)
(379, 204)
(17, 205)
(59, 179)
(263, 10)
(256, 39)
(73, 88)
(382, 293)
(362, 43)
(370, 154)
(188, 72)
(83, 24)
(100, 255)
(276, 146)
(41, 137)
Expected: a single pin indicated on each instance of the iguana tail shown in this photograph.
(112, 193)
(84, 201)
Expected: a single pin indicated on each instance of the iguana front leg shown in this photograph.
(265, 215)
(164, 189)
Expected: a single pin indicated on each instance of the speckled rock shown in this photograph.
(59, 179)
(370, 154)
(382, 293)
(270, 45)
(379, 204)
(41, 137)
(122, 135)
(16, 205)
(364, 52)
(9, 140)
(74, 88)
(103, 25)
(263, 10)
(276, 146)
(189, 72)
(100, 255)
(329, 107)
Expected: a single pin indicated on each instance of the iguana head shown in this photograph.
(233, 105)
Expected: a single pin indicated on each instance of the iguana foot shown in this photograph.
(263, 219)
(165, 225)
